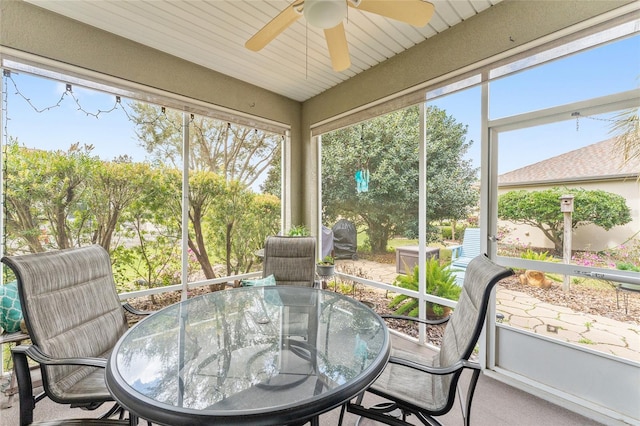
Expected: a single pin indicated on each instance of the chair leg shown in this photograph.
(116, 409)
(472, 388)
(25, 387)
(342, 410)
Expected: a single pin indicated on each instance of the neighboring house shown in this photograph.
(598, 166)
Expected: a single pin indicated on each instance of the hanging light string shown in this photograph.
(5, 114)
(5, 142)
(8, 77)
(577, 115)
(161, 119)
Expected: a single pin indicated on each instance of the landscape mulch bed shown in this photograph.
(606, 302)
(378, 300)
(596, 301)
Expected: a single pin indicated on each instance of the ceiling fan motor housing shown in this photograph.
(325, 14)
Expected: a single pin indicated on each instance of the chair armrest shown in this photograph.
(414, 319)
(440, 371)
(456, 252)
(37, 355)
(127, 307)
(22, 371)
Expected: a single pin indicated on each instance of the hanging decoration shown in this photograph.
(362, 174)
(362, 180)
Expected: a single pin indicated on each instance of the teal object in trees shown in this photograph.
(362, 180)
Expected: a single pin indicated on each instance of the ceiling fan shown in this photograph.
(329, 15)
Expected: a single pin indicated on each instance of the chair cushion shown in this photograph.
(10, 310)
(292, 260)
(400, 383)
(270, 280)
(84, 384)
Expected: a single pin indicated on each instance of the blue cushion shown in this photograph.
(10, 309)
(270, 280)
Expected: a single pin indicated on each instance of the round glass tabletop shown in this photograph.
(259, 355)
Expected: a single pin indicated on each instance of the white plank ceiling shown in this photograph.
(296, 64)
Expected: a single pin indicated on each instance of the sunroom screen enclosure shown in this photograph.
(604, 255)
(442, 65)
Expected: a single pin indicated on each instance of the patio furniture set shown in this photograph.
(276, 351)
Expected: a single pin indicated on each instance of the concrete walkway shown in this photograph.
(525, 312)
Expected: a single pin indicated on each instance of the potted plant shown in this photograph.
(326, 267)
(440, 282)
(298, 231)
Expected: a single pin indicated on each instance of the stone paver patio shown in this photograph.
(523, 311)
(587, 330)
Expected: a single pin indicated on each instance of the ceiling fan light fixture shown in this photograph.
(325, 14)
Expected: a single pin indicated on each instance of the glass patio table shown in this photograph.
(277, 355)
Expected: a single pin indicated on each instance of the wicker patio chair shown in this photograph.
(291, 260)
(427, 387)
(74, 318)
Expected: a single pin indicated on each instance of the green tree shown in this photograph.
(262, 219)
(272, 183)
(240, 224)
(46, 194)
(152, 229)
(205, 189)
(224, 161)
(114, 187)
(452, 181)
(541, 209)
(24, 199)
(62, 199)
(225, 219)
(235, 152)
(387, 146)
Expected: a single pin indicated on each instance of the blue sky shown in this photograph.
(608, 69)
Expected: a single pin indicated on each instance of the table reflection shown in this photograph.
(263, 350)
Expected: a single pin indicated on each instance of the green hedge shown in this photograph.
(446, 232)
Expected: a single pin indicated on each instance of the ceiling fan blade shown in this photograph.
(270, 31)
(338, 47)
(415, 12)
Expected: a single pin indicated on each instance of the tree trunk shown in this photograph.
(378, 239)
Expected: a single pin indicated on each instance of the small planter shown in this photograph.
(325, 270)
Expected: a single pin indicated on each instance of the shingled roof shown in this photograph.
(600, 161)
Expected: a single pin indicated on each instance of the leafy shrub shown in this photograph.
(440, 282)
(433, 233)
(534, 255)
(327, 260)
(446, 232)
(626, 266)
(298, 231)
